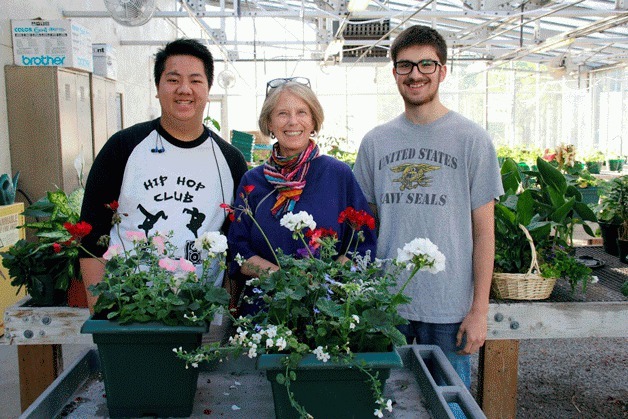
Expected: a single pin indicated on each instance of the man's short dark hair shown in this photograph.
(419, 35)
(184, 46)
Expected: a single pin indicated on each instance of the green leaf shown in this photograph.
(329, 308)
(281, 379)
(551, 176)
(561, 212)
(511, 178)
(585, 212)
(525, 208)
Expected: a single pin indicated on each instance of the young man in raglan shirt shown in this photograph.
(169, 174)
(432, 173)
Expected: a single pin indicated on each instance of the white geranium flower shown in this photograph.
(298, 221)
(356, 318)
(212, 241)
(424, 253)
(239, 259)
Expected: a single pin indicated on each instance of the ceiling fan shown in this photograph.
(131, 12)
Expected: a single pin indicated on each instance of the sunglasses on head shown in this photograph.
(274, 83)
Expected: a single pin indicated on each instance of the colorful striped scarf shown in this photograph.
(287, 175)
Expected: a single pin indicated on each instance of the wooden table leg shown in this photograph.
(38, 365)
(497, 378)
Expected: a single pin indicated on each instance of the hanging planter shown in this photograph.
(142, 374)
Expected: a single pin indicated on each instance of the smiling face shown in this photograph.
(183, 93)
(419, 89)
(291, 121)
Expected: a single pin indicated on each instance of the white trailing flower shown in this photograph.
(281, 343)
(298, 221)
(239, 259)
(424, 253)
(252, 351)
(389, 405)
(212, 241)
(321, 355)
(271, 332)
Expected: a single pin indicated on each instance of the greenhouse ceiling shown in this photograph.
(577, 35)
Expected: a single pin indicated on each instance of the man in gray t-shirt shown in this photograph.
(432, 173)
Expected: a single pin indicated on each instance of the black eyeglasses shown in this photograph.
(424, 66)
(274, 83)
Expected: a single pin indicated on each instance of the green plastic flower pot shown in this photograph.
(142, 375)
(589, 195)
(615, 165)
(330, 389)
(594, 167)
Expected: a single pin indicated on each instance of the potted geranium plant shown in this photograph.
(327, 330)
(148, 303)
(41, 265)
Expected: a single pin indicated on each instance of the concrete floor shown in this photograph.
(9, 378)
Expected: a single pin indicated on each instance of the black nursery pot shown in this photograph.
(610, 234)
(622, 248)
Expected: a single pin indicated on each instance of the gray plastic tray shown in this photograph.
(236, 389)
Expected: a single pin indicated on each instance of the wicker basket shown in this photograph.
(528, 286)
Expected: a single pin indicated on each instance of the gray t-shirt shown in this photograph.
(425, 181)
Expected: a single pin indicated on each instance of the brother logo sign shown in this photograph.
(42, 60)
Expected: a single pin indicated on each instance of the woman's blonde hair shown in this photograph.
(303, 92)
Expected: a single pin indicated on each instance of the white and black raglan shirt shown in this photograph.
(162, 185)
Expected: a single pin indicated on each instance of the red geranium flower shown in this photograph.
(56, 247)
(319, 233)
(356, 219)
(248, 188)
(78, 230)
(113, 206)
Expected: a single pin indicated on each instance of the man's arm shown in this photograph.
(474, 324)
(92, 272)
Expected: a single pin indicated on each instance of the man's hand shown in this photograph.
(474, 326)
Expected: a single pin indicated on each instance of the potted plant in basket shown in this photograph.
(149, 303)
(533, 234)
(327, 329)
